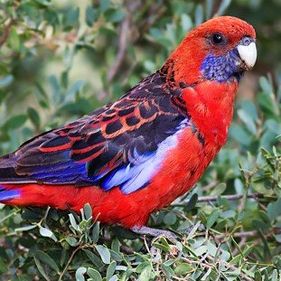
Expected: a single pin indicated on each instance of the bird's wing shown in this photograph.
(122, 144)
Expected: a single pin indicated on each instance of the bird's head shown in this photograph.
(220, 49)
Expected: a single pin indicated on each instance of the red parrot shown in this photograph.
(136, 155)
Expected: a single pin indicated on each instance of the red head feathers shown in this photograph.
(218, 37)
(138, 154)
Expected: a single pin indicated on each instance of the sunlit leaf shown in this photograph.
(104, 253)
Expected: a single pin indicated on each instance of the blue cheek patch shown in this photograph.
(221, 68)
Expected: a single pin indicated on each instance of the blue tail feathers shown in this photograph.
(8, 194)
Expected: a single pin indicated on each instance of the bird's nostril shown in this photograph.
(246, 41)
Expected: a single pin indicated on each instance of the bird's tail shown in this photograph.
(20, 190)
(63, 197)
(10, 181)
(40, 195)
(21, 195)
(8, 194)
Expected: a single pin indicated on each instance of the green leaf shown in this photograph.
(71, 17)
(14, 39)
(170, 218)
(219, 189)
(162, 244)
(94, 274)
(96, 232)
(183, 268)
(199, 14)
(25, 228)
(114, 278)
(212, 249)
(209, 8)
(110, 270)
(15, 122)
(3, 266)
(115, 245)
(146, 274)
(46, 259)
(104, 5)
(223, 6)
(274, 209)
(91, 15)
(41, 269)
(240, 134)
(72, 241)
(265, 85)
(193, 230)
(239, 187)
(186, 22)
(46, 232)
(192, 202)
(6, 81)
(93, 258)
(247, 120)
(45, 3)
(55, 87)
(34, 117)
(169, 272)
(117, 256)
(72, 92)
(104, 253)
(114, 15)
(79, 274)
(213, 218)
(87, 211)
(201, 250)
(73, 222)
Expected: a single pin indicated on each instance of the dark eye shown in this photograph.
(218, 39)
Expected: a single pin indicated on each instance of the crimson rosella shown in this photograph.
(136, 155)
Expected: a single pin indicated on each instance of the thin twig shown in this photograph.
(6, 32)
(70, 260)
(122, 47)
(228, 197)
(214, 198)
(243, 234)
(246, 234)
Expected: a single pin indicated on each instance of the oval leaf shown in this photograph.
(104, 253)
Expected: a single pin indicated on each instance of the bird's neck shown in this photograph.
(184, 63)
(210, 105)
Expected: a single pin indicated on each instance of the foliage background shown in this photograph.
(60, 60)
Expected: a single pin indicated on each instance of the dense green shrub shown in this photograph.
(60, 60)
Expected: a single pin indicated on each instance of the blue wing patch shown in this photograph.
(136, 176)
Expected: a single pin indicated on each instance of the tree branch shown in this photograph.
(131, 6)
(228, 197)
(122, 47)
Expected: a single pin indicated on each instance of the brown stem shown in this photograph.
(122, 47)
(228, 197)
(243, 234)
(70, 260)
(6, 32)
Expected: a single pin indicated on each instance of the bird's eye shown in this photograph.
(218, 39)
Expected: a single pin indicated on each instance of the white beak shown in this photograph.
(248, 54)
